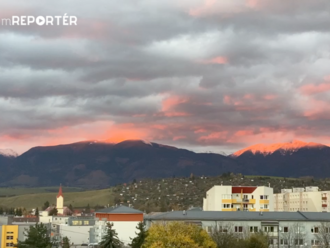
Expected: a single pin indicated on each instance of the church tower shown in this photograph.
(60, 201)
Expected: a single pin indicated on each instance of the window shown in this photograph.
(315, 242)
(238, 229)
(283, 241)
(315, 230)
(286, 229)
(10, 237)
(226, 196)
(298, 241)
(265, 206)
(269, 229)
(264, 197)
(261, 197)
(86, 222)
(10, 244)
(223, 229)
(253, 229)
(226, 205)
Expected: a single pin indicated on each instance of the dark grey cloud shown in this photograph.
(201, 74)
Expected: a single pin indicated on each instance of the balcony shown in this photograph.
(324, 198)
(324, 205)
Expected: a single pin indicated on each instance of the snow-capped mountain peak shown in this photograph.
(285, 148)
(8, 153)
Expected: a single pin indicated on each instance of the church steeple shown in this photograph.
(60, 192)
(60, 201)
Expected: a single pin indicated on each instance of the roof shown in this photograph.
(119, 210)
(240, 216)
(243, 189)
(60, 192)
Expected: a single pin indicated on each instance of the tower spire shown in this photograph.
(60, 192)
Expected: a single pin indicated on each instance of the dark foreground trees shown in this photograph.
(110, 240)
(138, 241)
(37, 237)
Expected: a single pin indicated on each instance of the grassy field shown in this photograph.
(76, 199)
(4, 192)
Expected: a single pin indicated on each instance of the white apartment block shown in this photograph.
(239, 198)
(309, 199)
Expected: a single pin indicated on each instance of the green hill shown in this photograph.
(160, 194)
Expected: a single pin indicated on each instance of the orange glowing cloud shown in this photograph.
(311, 89)
(213, 136)
(217, 60)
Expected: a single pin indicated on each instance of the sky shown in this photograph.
(206, 75)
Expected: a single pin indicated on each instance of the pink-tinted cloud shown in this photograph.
(216, 60)
(311, 89)
(202, 9)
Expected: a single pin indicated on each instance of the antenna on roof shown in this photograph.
(184, 212)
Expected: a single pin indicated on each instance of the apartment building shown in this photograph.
(239, 198)
(308, 199)
(13, 228)
(284, 230)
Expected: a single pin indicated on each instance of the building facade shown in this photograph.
(239, 198)
(284, 230)
(124, 221)
(309, 199)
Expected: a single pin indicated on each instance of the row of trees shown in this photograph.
(13, 211)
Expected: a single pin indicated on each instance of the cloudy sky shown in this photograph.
(207, 75)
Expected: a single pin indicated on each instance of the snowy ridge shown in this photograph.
(8, 153)
(285, 148)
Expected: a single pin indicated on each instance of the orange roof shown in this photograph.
(60, 192)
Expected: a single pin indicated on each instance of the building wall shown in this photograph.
(277, 231)
(289, 230)
(125, 230)
(232, 198)
(77, 234)
(9, 234)
(59, 204)
(300, 199)
(119, 217)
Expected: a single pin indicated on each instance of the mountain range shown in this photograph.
(95, 164)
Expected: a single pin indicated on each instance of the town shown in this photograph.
(296, 217)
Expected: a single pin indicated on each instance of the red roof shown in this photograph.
(246, 190)
(60, 192)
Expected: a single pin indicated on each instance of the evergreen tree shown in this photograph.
(66, 242)
(37, 212)
(137, 242)
(111, 240)
(1, 210)
(71, 207)
(88, 209)
(36, 237)
(46, 205)
(53, 212)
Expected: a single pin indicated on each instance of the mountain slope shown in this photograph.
(293, 159)
(93, 164)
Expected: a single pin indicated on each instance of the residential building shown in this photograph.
(285, 229)
(75, 228)
(308, 199)
(239, 198)
(13, 229)
(124, 220)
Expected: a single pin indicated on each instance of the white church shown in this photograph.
(61, 209)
